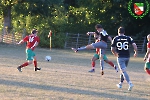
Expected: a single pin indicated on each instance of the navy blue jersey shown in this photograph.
(103, 34)
(121, 43)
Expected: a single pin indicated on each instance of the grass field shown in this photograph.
(66, 77)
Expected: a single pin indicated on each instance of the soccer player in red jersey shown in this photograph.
(32, 41)
(147, 56)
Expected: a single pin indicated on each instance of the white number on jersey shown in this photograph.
(123, 45)
(31, 39)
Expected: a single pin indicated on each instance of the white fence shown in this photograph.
(79, 40)
(72, 40)
(10, 37)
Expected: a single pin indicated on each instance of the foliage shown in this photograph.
(58, 39)
(72, 16)
(49, 17)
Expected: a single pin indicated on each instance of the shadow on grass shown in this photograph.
(67, 90)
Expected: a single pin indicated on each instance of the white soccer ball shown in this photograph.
(48, 58)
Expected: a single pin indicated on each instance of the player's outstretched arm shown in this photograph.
(113, 51)
(146, 55)
(110, 39)
(20, 42)
(90, 33)
(135, 49)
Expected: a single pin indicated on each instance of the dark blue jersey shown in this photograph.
(121, 43)
(103, 34)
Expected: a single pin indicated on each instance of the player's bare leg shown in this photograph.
(93, 64)
(88, 47)
(101, 64)
(74, 49)
(111, 64)
(24, 65)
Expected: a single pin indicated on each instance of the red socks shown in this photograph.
(35, 63)
(25, 64)
(111, 63)
(93, 64)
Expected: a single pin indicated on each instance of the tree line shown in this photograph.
(71, 16)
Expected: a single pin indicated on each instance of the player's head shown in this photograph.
(148, 37)
(121, 30)
(34, 31)
(98, 27)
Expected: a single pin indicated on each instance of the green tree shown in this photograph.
(73, 16)
(24, 8)
(110, 13)
(5, 8)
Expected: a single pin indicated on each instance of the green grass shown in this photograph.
(66, 77)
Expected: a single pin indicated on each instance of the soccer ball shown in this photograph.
(48, 58)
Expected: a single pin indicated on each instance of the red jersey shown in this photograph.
(31, 41)
(148, 47)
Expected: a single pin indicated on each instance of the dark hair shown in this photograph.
(34, 31)
(98, 26)
(121, 30)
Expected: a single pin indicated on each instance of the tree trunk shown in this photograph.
(7, 19)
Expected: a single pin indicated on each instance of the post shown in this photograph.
(89, 39)
(65, 46)
(143, 46)
(77, 40)
(2, 34)
(50, 38)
